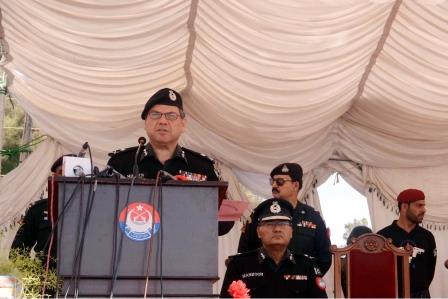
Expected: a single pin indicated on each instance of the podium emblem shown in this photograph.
(139, 221)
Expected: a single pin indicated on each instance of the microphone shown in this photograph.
(446, 264)
(82, 152)
(109, 172)
(78, 170)
(141, 143)
(141, 140)
(167, 176)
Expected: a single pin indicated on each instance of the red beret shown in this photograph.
(410, 195)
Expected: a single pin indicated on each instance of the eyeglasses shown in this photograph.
(272, 224)
(168, 115)
(279, 181)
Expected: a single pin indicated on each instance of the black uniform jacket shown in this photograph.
(309, 235)
(183, 159)
(296, 276)
(35, 229)
(148, 164)
(423, 262)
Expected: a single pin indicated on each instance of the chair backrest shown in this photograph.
(370, 267)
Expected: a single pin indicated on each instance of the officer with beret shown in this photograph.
(406, 230)
(309, 235)
(164, 121)
(272, 270)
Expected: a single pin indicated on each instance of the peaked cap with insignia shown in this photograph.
(294, 170)
(165, 96)
(274, 209)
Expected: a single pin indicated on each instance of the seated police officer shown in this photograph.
(272, 270)
(165, 122)
(309, 234)
(35, 230)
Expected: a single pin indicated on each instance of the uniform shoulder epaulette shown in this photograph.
(304, 257)
(306, 207)
(197, 154)
(39, 203)
(243, 254)
(236, 257)
(122, 150)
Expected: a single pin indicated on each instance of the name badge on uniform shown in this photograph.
(252, 274)
(295, 277)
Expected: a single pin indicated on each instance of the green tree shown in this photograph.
(349, 226)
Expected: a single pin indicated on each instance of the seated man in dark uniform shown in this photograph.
(165, 122)
(36, 227)
(272, 270)
(309, 235)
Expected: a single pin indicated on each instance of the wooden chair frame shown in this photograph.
(371, 243)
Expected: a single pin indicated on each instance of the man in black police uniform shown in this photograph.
(406, 230)
(272, 270)
(35, 230)
(164, 124)
(309, 235)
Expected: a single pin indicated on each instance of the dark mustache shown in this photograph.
(275, 189)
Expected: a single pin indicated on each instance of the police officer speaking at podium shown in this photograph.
(165, 122)
(272, 270)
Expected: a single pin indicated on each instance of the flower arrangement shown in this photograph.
(31, 272)
(238, 289)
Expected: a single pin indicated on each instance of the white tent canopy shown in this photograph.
(263, 82)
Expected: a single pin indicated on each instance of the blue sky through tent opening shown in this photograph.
(341, 204)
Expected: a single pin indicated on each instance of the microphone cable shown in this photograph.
(50, 240)
(160, 249)
(152, 197)
(82, 225)
(89, 206)
(79, 227)
(157, 196)
(115, 226)
(120, 245)
(80, 250)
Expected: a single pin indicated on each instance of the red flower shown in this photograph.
(238, 289)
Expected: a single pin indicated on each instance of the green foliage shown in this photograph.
(349, 226)
(31, 272)
(14, 117)
(13, 121)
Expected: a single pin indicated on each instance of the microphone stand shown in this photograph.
(135, 170)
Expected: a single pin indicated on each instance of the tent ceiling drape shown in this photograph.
(263, 82)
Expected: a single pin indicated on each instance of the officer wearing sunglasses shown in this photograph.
(309, 234)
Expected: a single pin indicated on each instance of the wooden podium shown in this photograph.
(107, 240)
